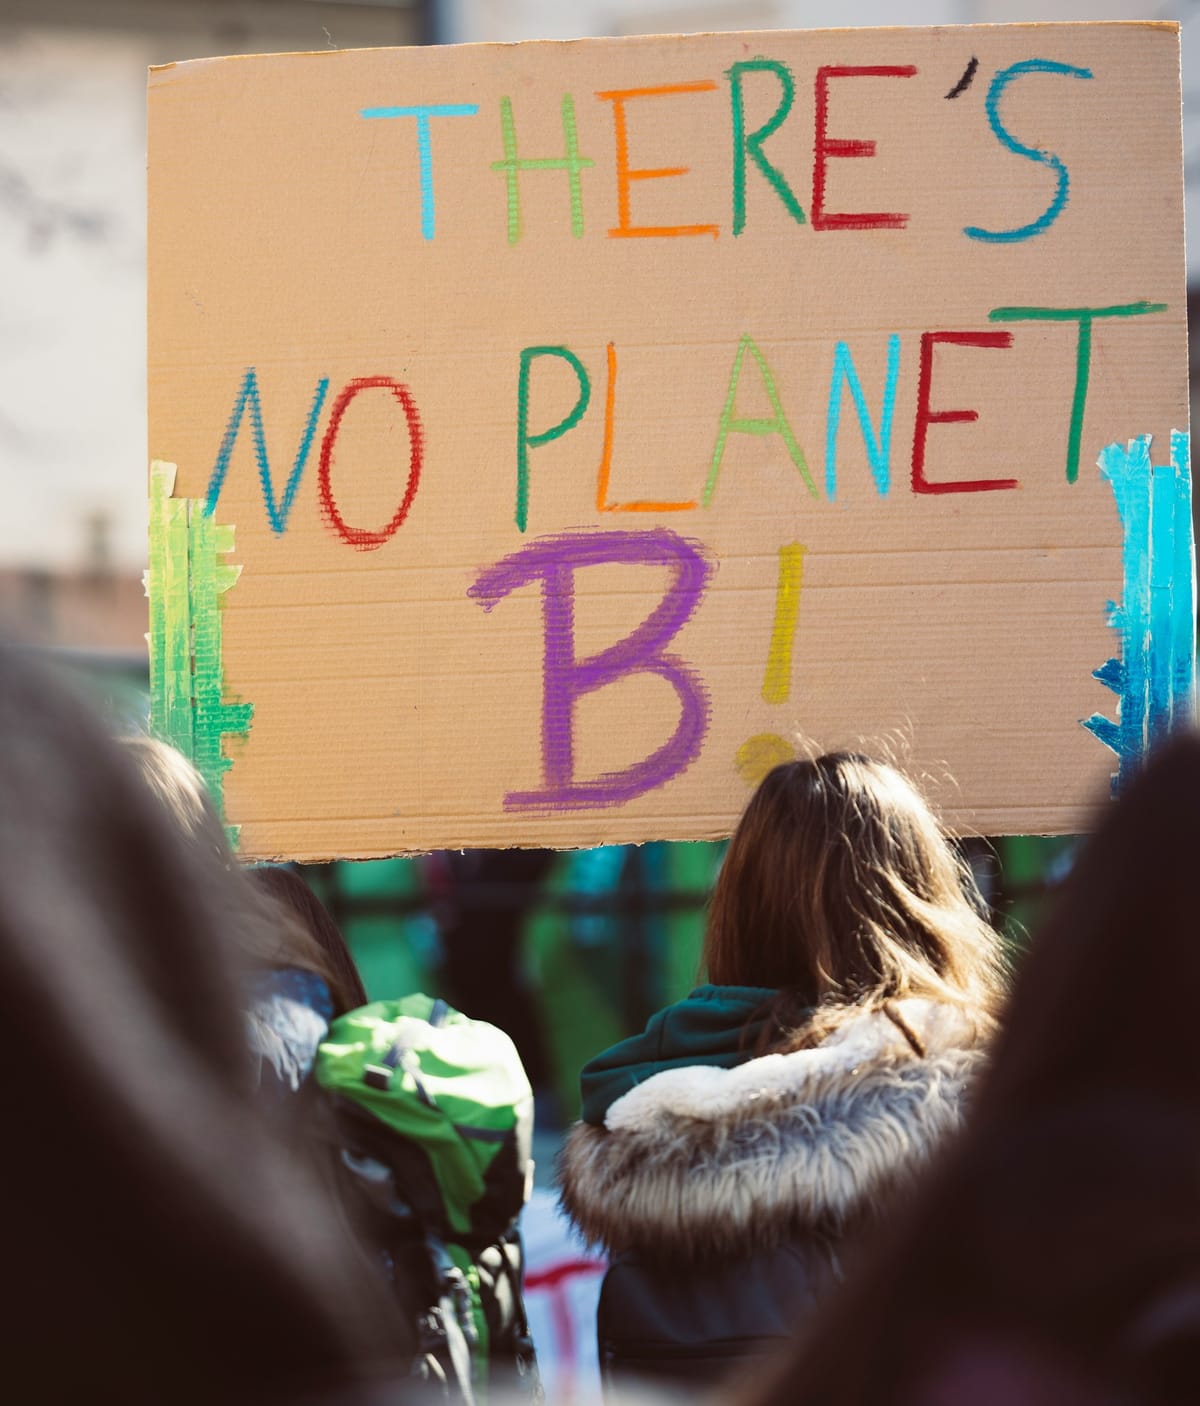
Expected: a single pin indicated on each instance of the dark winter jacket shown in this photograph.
(724, 1193)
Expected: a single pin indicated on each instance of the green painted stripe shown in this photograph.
(186, 582)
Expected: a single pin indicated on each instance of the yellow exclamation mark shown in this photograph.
(758, 754)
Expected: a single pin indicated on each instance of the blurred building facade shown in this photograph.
(551, 19)
(78, 607)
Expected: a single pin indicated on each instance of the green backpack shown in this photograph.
(434, 1119)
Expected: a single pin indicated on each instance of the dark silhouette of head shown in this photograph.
(160, 1245)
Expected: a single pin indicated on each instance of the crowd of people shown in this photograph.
(862, 1163)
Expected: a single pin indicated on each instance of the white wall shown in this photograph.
(501, 20)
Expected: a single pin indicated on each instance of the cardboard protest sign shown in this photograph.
(594, 423)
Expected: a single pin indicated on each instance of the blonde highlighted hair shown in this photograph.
(268, 934)
(841, 891)
(180, 790)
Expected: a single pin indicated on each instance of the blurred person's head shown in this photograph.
(271, 934)
(180, 790)
(160, 1245)
(840, 889)
(1060, 1243)
(293, 895)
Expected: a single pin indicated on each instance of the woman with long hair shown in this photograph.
(727, 1154)
(1054, 1260)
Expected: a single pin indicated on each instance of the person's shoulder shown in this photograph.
(293, 986)
(288, 1011)
(734, 1154)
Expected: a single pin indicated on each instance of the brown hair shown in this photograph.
(291, 892)
(270, 934)
(1062, 1235)
(840, 890)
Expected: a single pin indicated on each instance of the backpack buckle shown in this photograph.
(379, 1076)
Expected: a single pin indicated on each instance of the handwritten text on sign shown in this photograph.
(837, 323)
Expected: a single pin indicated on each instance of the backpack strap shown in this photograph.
(446, 1330)
(379, 1076)
(524, 1353)
(437, 1016)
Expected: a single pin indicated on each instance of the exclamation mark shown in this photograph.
(765, 750)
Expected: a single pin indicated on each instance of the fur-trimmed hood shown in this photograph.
(700, 1161)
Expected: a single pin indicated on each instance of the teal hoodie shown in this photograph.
(716, 1025)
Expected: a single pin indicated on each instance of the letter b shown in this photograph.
(554, 561)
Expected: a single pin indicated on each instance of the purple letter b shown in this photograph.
(555, 560)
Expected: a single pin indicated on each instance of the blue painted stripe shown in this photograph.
(1183, 650)
(1155, 677)
(1160, 661)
